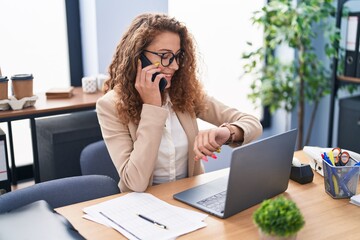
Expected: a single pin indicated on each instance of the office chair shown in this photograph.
(60, 192)
(95, 159)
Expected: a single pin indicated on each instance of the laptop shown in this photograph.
(258, 171)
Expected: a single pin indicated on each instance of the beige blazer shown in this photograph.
(134, 148)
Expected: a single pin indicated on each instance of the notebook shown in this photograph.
(258, 171)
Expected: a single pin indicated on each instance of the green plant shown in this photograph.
(291, 83)
(279, 217)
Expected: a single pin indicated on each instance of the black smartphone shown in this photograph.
(146, 62)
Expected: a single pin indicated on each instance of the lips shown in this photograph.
(168, 75)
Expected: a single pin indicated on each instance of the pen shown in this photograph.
(327, 159)
(152, 221)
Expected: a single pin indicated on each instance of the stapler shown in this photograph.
(314, 155)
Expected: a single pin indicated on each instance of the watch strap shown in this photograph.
(232, 133)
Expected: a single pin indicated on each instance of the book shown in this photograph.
(66, 92)
(351, 45)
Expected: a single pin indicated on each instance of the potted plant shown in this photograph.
(306, 78)
(278, 218)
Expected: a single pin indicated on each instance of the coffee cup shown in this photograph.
(4, 87)
(22, 85)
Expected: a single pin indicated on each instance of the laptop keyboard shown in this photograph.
(215, 202)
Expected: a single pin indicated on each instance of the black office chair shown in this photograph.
(60, 192)
(95, 159)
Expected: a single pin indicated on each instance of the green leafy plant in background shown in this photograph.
(289, 84)
(279, 217)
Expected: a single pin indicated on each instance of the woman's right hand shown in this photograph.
(148, 90)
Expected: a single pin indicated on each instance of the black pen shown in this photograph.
(152, 221)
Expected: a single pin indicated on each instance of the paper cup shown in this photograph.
(101, 78)
(89, 84)
(22, 85)
(3, 87)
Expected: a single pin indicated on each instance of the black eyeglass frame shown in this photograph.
(174, 56)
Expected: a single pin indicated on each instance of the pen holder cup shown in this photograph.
(341, 181)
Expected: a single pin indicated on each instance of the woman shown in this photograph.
(152, 135)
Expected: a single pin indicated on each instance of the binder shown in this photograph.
(5, 185)
(352, 45)
(358, 52)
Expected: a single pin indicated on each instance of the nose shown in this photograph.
(174, 65)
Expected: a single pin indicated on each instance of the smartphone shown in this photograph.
(146, 62)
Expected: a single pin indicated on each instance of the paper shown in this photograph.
(355, 200)
(121, 214)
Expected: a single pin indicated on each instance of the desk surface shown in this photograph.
(46, 107)
(325, 218)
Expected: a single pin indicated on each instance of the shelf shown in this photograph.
(338, 80)
(349, 79)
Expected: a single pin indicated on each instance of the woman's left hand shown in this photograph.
(208, 141)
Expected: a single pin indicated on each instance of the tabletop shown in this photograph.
(46, 107)
(325, 217)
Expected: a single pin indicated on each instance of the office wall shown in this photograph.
(102, 25)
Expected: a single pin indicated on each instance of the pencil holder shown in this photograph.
(341, 181)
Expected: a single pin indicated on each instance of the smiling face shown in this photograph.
(166, 42)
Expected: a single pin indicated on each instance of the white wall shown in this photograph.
(33, 39)
(102, 25)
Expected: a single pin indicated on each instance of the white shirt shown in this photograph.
(173, 151)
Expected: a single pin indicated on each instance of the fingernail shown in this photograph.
(205, 158)
(214, 156)
(157, 64)
(218, 150)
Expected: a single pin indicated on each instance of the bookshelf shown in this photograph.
(338, 80)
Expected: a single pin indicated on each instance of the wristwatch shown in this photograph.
(232, 133)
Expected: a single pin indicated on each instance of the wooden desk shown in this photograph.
(45, 107)
(326, 218)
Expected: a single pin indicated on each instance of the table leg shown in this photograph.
(35, 151)
(12, 158)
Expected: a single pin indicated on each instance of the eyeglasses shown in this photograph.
(168, 57)
(341, 158)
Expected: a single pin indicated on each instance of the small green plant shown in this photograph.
(279, 217)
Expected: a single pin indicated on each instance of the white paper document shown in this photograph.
(160, 220)
(355, 200)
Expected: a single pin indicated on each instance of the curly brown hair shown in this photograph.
(186, 91)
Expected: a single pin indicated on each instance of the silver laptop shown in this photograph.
(258, 171)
